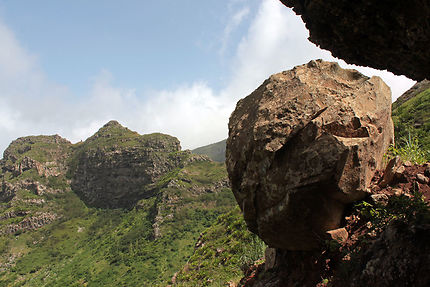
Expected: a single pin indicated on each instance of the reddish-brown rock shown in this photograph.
(302, 146)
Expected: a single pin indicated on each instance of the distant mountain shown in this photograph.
(411, 114)
(215, 151)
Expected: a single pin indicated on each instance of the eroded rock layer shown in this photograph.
(302, 146)
(391, 35)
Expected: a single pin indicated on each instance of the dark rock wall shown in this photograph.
(120, 177)
(115, 167)
(382, 34)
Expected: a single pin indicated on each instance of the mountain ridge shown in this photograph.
(215, 151)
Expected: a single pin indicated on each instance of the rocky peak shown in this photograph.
(45, 146)
(112, 123)
(46, 154)
(116, 166)
(115, 136)
(112, 129)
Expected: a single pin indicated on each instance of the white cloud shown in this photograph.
(15, 62)
(232, 24)
(27, 99)
(192, 112)
(7, 118)
(276, 41)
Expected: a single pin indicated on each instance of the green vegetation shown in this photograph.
(223, 251)
(215, 152)
(114, 135)
(412, 210)
(111, 247)
(409, 150)
(39, 148)
(412, 120)
(205, 172)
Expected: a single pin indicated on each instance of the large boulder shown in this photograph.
(302, 146)
(382, 34)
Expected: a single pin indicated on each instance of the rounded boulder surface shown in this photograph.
(302, 146)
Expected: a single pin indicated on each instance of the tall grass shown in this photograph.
(409, 149)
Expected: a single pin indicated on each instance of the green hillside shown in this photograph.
(411, 117)
(115, 247)
(50, 237)
(222, 253)
(215, 151)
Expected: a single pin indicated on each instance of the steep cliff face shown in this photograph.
(115, 166)
(392, 35)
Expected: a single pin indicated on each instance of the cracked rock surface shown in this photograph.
(302, 146)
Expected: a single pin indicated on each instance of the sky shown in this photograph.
(176, 67)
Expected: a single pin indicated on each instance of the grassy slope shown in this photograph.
(413, 116)
(116, 247)
(223, 251)
(215, 151)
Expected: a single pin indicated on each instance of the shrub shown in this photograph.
(401, 208)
